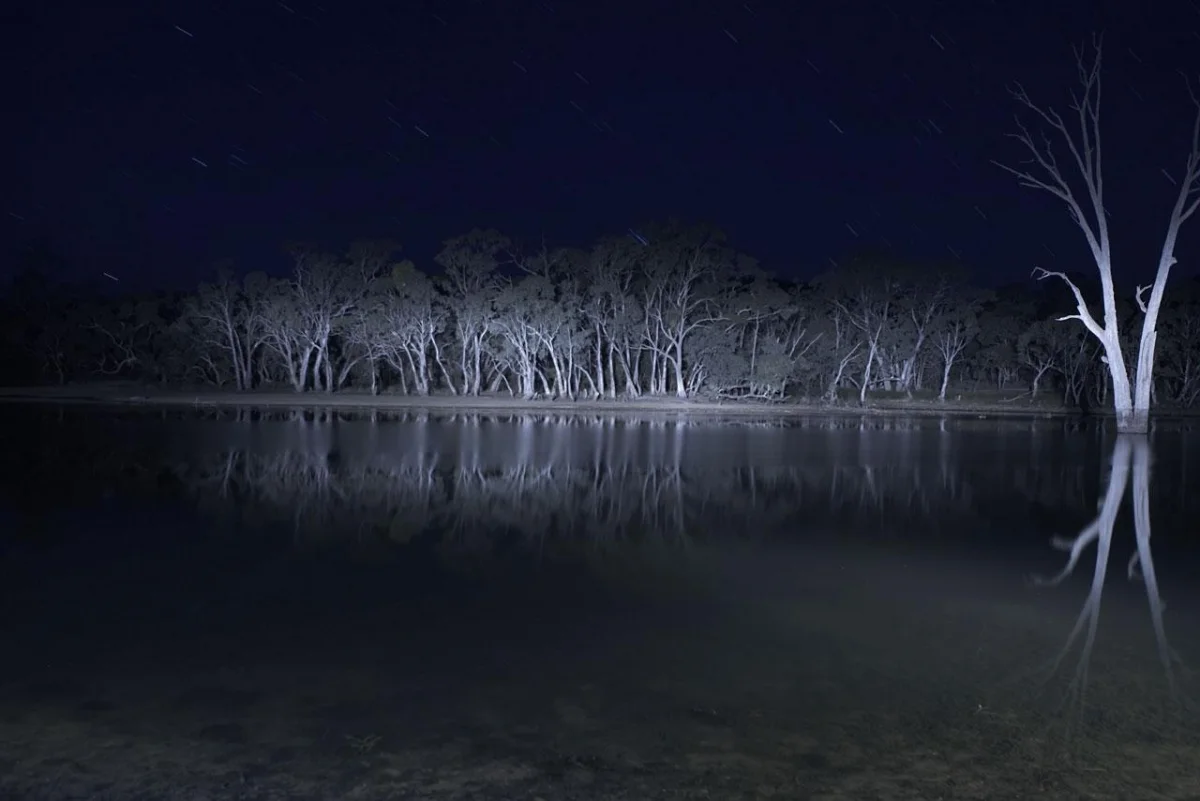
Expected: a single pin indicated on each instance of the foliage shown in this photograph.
(676, 311)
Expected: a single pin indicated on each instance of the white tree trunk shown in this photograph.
(1129, 421)
(1131, 404)
(945, 380)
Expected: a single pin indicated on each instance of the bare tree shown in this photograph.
(125, 335)
(950, 341)
(225, 315)
(867, 301)
(1040, 348)
(925, 299)
(552, 290)
(470, 262)
(285, 332)
(366, 335)
(327, 289)
(1131, 404)
(683, 271)
(517, 319)
(612, 307)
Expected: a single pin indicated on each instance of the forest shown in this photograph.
(665, 310)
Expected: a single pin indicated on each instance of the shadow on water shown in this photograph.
(487, 607)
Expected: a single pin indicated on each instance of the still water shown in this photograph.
(279, 605)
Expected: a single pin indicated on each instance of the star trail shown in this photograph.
(156, 139)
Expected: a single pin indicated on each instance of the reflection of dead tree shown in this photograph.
(1142, 563)
(1130, 452)
(1099, 531)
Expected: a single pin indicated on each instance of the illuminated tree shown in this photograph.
(1130, 402)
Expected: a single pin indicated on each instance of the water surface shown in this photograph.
(244, 605)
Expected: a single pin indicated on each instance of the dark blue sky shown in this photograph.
(152, 140)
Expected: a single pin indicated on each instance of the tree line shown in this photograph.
(669, 310)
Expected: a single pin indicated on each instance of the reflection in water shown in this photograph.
(488, 607)
(558, 485)
(614, 478)
(546, 476)
(1130, 454)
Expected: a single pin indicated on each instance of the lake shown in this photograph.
(245, 605)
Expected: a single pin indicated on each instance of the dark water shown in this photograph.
(545, 607)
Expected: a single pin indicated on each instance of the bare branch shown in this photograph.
(1189, 189)
(1084, 315)
(1084, 147)
(1186, 203)
(1141, 302)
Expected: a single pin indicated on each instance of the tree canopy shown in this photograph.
(677, 311)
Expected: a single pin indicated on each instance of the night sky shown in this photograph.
(152, 140)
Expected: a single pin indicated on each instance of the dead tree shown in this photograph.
(1130, 403)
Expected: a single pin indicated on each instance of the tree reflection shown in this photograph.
(1130, 455)
(609, 480)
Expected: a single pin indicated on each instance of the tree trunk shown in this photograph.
(866, 376)
(1144, 381)
(477, 365)
(945, 381)
(1130, 420)
(677, 366)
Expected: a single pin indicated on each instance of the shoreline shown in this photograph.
(117, 395)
